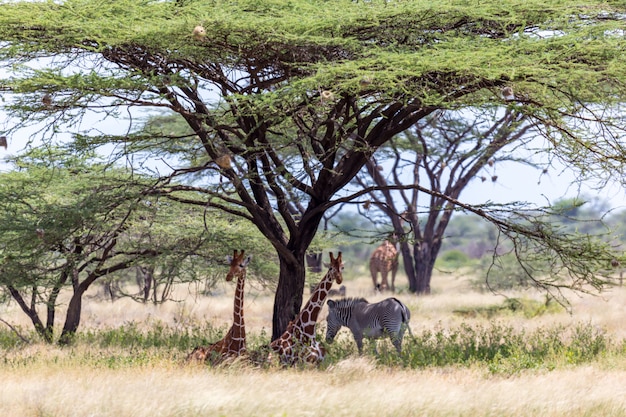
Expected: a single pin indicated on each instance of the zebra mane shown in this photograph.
(349, 302)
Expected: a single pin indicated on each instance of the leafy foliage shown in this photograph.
(69, 222)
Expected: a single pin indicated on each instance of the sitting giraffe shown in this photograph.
(297, 343)
(233, 344)
(384, 259)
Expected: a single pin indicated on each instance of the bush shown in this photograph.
(453, 259)
(15, 337)
(502, 349)
(529, 308)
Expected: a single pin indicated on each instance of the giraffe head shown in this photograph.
(336, 267)
(237, 264)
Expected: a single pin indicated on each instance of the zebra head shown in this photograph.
(339, 314)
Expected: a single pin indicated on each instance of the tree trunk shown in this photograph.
(72, 318)
(288, 299)
(407, 260)
(314, 262)
(45, 332)
(74, 308)
(424, 256)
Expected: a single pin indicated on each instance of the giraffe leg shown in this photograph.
(384, 284)
(374, 272)
(198, 354)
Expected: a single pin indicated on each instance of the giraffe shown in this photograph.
(297, 343)
(234, 343)
(384, 259)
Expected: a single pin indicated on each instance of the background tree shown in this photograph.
(67, 223)
(442, 153)
(327, 81)
(63, 225)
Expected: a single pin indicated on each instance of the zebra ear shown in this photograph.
(331, 303)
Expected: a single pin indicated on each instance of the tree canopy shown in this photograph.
(288, 100)
(67, 223)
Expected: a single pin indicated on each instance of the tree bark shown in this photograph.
(314, 262)
(74, 308)
(424, 256)
(288, 298)
(31, 312)
(409, 269)
(72, 318)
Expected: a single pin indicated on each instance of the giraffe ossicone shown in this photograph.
(233, 345)
(298, 342)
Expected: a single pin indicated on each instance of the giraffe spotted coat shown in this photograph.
(383, 260)
(233, 344)
(298, 343)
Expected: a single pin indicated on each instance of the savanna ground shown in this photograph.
(473, 355)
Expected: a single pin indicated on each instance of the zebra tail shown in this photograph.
(406, 316)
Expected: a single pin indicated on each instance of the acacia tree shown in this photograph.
(63, 224)
(67, 223)
(287, 101)
(442, 153)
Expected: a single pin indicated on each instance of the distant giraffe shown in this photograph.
(384, 259)
(297, 343)
(234, 343)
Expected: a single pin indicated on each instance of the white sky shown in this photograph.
(521, 183)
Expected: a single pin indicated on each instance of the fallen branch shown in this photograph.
(25, 340)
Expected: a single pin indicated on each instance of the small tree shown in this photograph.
(443, 154)
(66, 223)
(417, 182)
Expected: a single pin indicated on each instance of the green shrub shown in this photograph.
(13, 338)
(453, 259)
(500, 348)
(158, 335)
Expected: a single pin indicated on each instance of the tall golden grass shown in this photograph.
(85, 380)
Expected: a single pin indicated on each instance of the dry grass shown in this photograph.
(49, 381)
(354, 387)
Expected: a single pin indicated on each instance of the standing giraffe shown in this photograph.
(298, 343)
(384, 259)
(234, 343)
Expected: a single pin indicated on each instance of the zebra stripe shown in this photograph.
(389, 317)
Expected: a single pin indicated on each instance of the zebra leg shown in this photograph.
(358, 338)
(403, 327)
(397, 340)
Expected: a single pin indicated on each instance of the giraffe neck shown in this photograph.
(239, 328)
(298, 341)
(307, 318)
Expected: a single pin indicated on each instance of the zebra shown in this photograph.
(389, 317)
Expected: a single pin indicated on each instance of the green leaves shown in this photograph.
(400, 45)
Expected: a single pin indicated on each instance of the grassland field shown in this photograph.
(582, 374)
